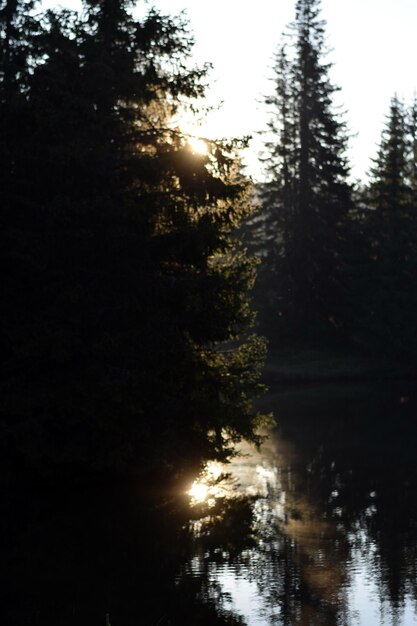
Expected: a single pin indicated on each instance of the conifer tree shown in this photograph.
(18, 30)
(412, 150)
(307, 197)
(388, 300)
(389, 175)
(134, 330)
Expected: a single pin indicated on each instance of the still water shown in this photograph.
(319, 527)
(335, 518)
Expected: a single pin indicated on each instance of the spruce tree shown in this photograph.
(132, 330)
(389, 184)
(412, 150)
(18, 30)
(389, 303)
(307, 196)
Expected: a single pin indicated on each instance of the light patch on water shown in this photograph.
(364, 590)
(209, 485)
(243, 595)
(198, 492)
(301, 538)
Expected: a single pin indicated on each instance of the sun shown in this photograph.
(197, 145)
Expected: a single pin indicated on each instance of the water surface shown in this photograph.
(324, 531)
(336, 521)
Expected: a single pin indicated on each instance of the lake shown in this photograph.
(336, 520)
(318, 527)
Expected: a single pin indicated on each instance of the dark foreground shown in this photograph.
(324, 531)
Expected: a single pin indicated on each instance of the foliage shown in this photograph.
(387, 315)
(337, 263)
(307, 197)
(126, 320)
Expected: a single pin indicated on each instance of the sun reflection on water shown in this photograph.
(209, 485)
(198, 492)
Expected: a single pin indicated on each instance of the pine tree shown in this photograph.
(389, 184)
(389, 303)
(137, 345)
(307, 197)
(18, 30)
(412, 150)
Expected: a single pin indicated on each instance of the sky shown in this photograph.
(373, 48)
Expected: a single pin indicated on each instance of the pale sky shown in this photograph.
(373, 47)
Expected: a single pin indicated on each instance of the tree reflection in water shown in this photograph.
(323, 531)
(71, 556)
(335, 520)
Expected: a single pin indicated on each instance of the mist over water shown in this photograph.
(318, 527)
(336, 519)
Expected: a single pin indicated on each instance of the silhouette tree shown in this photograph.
(388, 296)
(307, 197)
(411, 121)
(127, 314)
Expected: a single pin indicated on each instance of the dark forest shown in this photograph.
(150, 291)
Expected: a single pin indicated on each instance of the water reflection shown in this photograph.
(334, 523)
(211, 485)
(72, 555)
(322, 530)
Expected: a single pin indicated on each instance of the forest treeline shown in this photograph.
(127, 324)
(126, 329)
(339, 260)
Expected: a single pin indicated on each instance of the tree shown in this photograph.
(411, 121)
(307, 196)
(17, 33)
(389, 188)
(388, 302)
(130, 330)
